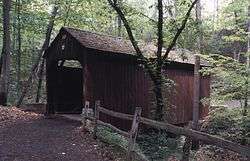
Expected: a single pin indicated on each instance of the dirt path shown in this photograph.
(38, 139)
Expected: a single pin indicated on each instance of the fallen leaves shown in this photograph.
(10, 114)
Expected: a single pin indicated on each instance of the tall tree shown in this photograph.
(44, 47)
(5, 59)
(154, 68)
(19, 42)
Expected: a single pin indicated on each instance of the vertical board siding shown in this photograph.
(180, 96)
(120, 87)
(181, 101)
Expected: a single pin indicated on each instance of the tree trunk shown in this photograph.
(44, 47)
(119, 21)
(40, 79)
(19, 47)
(159, 101)
(5, 70)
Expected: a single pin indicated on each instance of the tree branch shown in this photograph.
(142, 58)
(128, 29)
(159, 34)
(179, 31)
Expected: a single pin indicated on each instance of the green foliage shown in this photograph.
(230, 77)
(159, 146)
(109, 136)
(229, 124)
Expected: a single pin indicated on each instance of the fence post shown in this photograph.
(97, 105)
(85, 114)
(133, 133)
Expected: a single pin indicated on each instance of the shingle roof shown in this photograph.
(119, 45)
(178, 55)
(102, 42)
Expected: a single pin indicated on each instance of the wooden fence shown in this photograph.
(136, 118)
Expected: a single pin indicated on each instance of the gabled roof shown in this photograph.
(102, 42)
(120, 45)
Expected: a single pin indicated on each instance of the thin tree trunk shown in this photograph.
(44, 47)
(40, 79)
(13, 45)
(19, 46)
(119, 22)
(14, 33)
(5, 70)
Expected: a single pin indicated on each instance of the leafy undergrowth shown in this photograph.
(159, 146)
(212, 153)
(119, 142)
(229, 124)
(149, 147)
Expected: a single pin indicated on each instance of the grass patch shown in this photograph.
(107, 135)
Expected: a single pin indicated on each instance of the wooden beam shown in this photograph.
(97, 106)
(116, 114)
(133, 133)
(196, 135)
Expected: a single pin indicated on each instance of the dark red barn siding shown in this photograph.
(180, 95)
(120, 86)
(181, 98)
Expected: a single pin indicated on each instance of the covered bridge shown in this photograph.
(108, 71)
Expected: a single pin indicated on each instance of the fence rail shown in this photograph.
(136, 118)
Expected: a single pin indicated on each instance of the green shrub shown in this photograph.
(229, 124)
(159, 146)
(112, 138)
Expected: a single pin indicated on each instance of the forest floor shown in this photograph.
(27, 136)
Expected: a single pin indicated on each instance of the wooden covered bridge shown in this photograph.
(107, 70)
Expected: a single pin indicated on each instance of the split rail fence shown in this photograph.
(136, 119)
